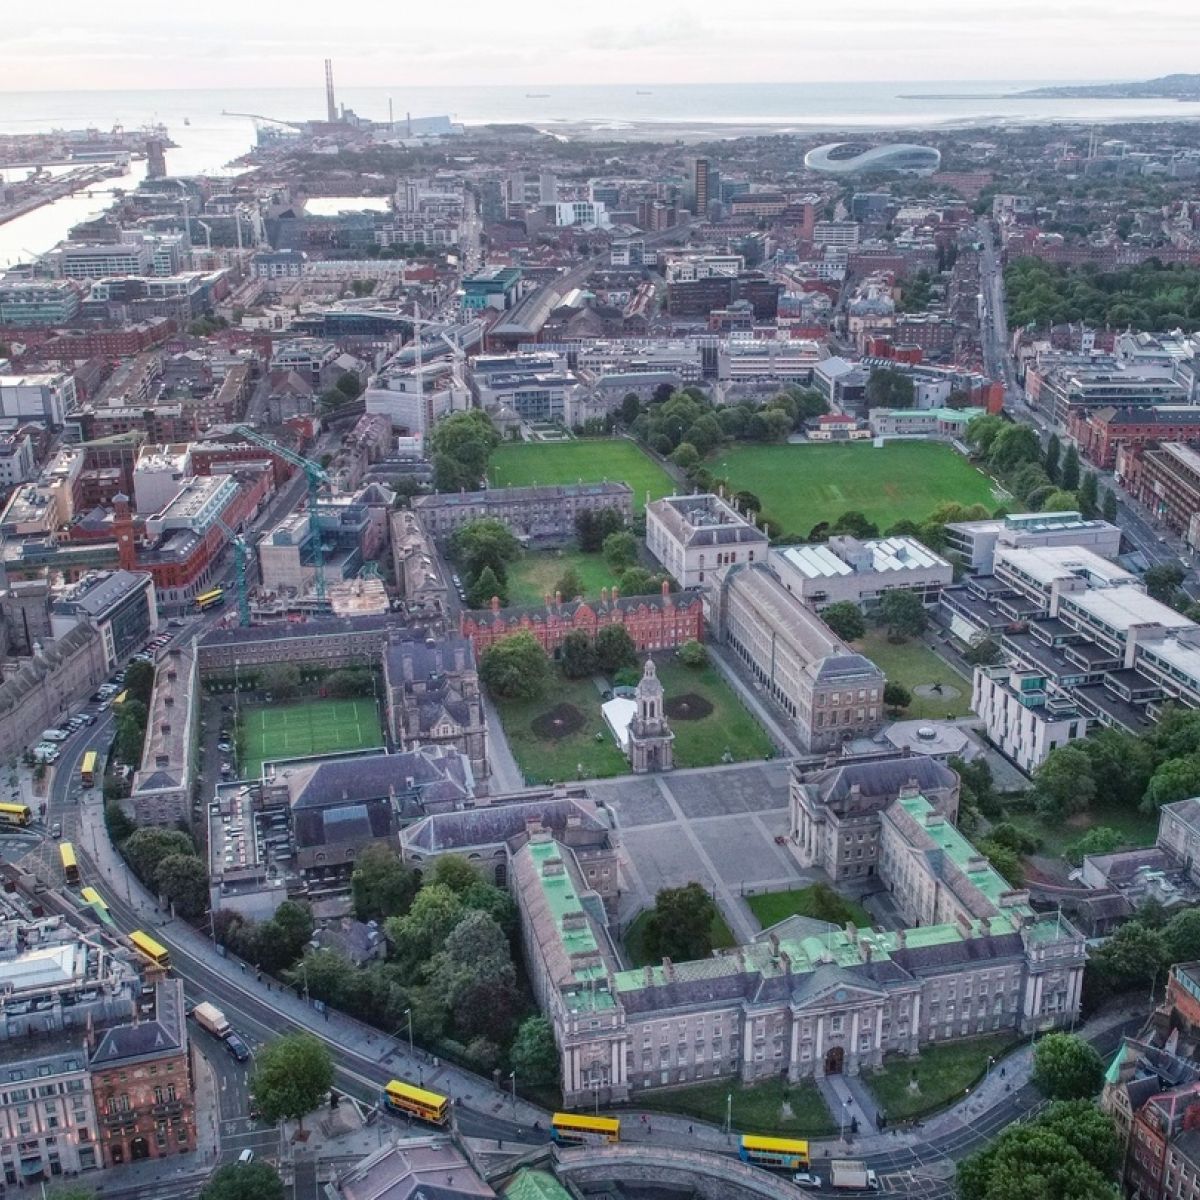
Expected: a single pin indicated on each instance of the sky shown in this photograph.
(124, 44)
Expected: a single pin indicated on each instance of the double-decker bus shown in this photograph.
(70, 867)
(15, 814)
(96, 903)
(146, 946)
(784, 1153)
(87, 772)
(570, 1129)
(417, 1102)
(210, 599)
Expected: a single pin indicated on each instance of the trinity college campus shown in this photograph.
(603, 672)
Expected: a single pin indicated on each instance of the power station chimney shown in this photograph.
(330, 105)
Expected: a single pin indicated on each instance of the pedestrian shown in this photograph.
(689, 1129)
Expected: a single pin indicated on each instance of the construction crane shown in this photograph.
(241, 559)
(317, 478)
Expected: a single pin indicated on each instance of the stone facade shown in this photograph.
(980, 960)
(696, 537)
(651, 742)
(163, 784)
(536, 513)
(661, 622)
(831, 694)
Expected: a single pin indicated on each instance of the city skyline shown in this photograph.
(543, 44)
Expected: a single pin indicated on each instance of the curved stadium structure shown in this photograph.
(850, 158)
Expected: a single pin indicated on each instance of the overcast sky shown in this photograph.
(119, 44)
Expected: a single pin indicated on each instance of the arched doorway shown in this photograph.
(834, 1060)
(139, 1148)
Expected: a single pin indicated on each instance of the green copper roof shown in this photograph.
(535, 1185)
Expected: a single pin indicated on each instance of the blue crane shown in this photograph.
(317, 478)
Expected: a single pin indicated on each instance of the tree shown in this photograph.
(982, 432)
(148, 846)
(475, 949)
(614, 649)
(1064, 783)
(486, 587)
(1089, 495)
(349, 385)
(693, 654)
(488, 1008)
(1069, 475)
(1005, 860)
(515, 667)
(183, 880)
(454, 872)
(636, 581)
(292, 1077)
(244, 1181)
(1109, 506)
(748, 502)
(1100, 839)
(534, 1055)
(1130, 957)
(139, 681)
(118, 822)
(1182, 936)
(685, 456)
(631, 406)
(620, 550)
(1176, 779)
(855, 524)
(131, 731)
(282, 680)
(426, 925)
(1124, 762)
(845, 619)
(577, 656)
(486, 542)
(1065, 1067)
(777, 424)
(463, 442)
(896, 696)
(382, 885)
(1162, 582)
(1013, 446)
(902, 614)
(1058, 501)
(890, 388)
(592, 526)
(1027, 479)
(1052, 456)
(569, 585)
(984, 651)
(289, 930)
(680, 925)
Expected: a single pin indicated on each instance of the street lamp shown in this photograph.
(987, 1074)
(845, 1109)
(513, 1080)
(408, 1018)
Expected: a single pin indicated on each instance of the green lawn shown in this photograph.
(1138, 828)
(635, 936)
(772, 907)
(591, 460)
(944, 1071)
(698, 743)
(310, 727)
(757, 1108)
(912, 663)
(534, 575)
(730, 726)
(800, 486)
(544, 758)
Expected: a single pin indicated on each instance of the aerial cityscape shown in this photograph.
(615, 640)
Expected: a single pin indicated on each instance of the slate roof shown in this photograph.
(874, 782)
(495, 823)
(483, 617)
(158, 1035)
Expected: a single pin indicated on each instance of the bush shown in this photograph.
(693, 654)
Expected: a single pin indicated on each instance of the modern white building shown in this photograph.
(119, 605)
(861, 572)
(588, 213)
(696, 537)
(975, 542)
(47, 397)
(1024, 714)
(415, 399)
(158, 474)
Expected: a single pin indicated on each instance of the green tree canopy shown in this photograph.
(382, 885)
(614, 649)
(139, 681)
(902, 614)
(292, 1077)
(888, 387)
(569, 585)
(620, 550)
(426, 925)
(515, 667)
(1175, 779)
(1064, 783)
(460, 446)
(183, 880)
(1162, 582)
(896, 696)
(680, 924)
(486, 542)
(485, 588)
(244, 1181)
(534, 1055)
(854, 524)
(577, 655)
(1182, 936)
(148, 846)
(1065, 1067)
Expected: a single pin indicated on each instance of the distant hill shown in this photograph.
(1169, 87)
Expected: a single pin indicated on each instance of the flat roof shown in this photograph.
(1122, 608)
(1045, 564)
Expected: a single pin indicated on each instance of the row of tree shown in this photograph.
(165, 860)
(517, 668)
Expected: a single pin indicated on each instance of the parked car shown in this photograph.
(224, 747)
(237, 1047)
(246, 1157)
(88, 718)
(806, 1179)
(56, 830)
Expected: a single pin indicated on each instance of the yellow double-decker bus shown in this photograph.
(87, 771)
(70, 867)
(570, 1129)
(148, 948)
(15, 814)
(402, 1097)
(210, 599)
(786, 1154)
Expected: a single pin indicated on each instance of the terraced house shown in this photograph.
(976, 959)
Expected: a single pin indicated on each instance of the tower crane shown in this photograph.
(241, 557)
(317, 478)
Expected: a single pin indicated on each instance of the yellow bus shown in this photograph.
(146, 946)
(417, 1102)
(89, 895)
(15, 814)
(70, 867)
(570, 1129)
(211, 599)
(785, 1153)
(87, 772)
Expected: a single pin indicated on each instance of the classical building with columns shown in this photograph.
(976, 959)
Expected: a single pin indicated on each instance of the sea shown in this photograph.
(212, 127)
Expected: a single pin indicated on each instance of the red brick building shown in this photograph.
(660, 622)
(142, 1081)
(1101, 432)
(1166, 479)
(110, 343)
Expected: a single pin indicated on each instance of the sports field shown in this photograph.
(313, 727)
(592, 460)
(800, 486)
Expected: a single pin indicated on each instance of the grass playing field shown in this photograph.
(314, 727)
(592, 460)
(534, 575)
(800, 486)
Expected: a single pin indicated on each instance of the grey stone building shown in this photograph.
(696, 537)
(651, 742)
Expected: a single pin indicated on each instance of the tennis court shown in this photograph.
(296, 730)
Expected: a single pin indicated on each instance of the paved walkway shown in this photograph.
(721, 659)
(506, 775)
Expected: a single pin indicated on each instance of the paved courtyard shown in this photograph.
(716, 826)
